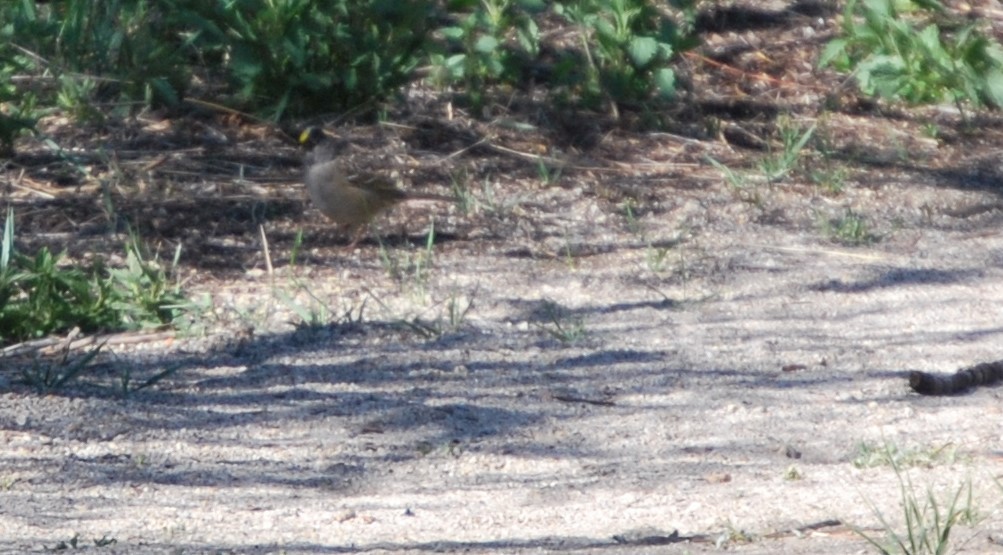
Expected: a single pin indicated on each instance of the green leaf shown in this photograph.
(7, 244)
(881, 75)
(453, 33)
(486, 44)
(164, 91)
(642, 50)
(532, 5)
(993, 53)
(994, 87)
(456, 62)
(665, 80)
(528, 36)
(929, 39)
(834, 53)
(879, 8)
(605, 30)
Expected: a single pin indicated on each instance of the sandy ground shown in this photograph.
(699, 380)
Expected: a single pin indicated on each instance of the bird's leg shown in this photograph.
(358, 232)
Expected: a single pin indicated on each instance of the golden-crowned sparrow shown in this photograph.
(348, 197)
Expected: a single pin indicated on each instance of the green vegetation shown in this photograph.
(619, 50)
(849, 229)
(407, 267)
(870, 455)
(302, 56)
(40, 296)
(445, 319)
(75, 543)
(282, 58)
(560, 324)
(627, 45)
(275, 57)
(475, 49)
(928, 524)
(898, 51)
(294, 58)
(298, 297)
(777, 165)
(46, 375)
(793, 473)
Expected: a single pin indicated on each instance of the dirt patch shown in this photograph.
(629, 354)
